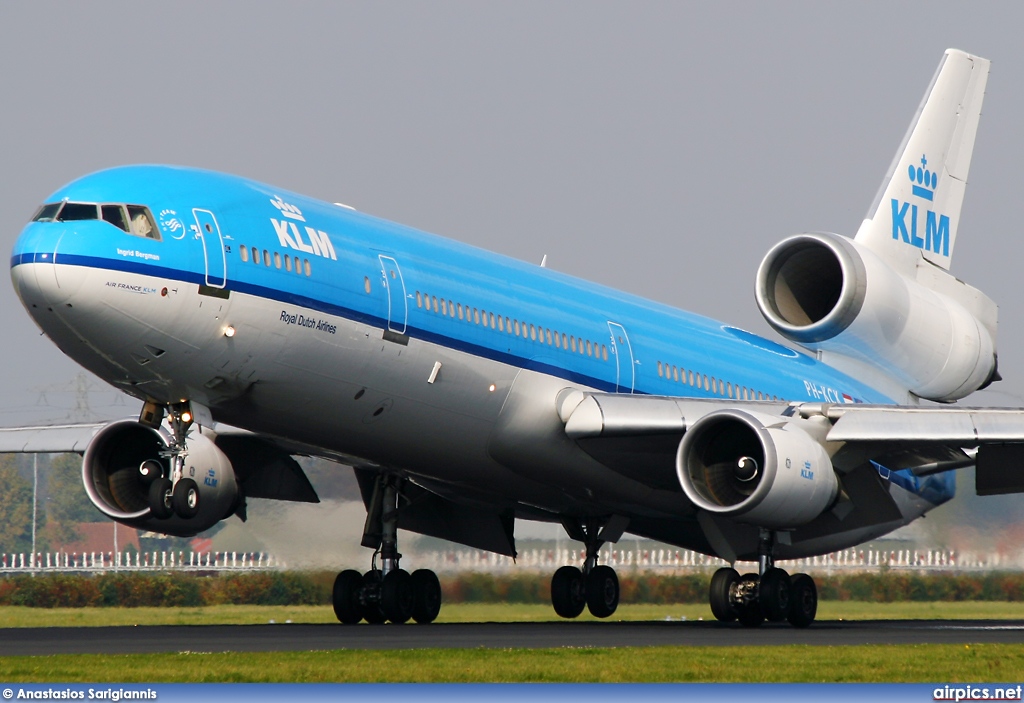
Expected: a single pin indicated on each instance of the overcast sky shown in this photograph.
(661, 148)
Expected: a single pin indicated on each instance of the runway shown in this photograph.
(290, 637)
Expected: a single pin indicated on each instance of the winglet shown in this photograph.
(917, 209)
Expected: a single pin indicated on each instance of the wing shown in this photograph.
(617, 429)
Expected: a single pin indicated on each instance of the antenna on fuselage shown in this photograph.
(544, 262)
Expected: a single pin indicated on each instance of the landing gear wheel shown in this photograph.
(160, 498)
(602, 591)
(345, 596)
(749, 613)
(773, 595)
(722, 583)
(803, 600)
(426, 600)
(369, 603)
(396, 596)
(185, 499)
(568, 593)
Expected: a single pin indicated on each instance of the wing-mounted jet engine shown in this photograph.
(126, 472)
(759, 469)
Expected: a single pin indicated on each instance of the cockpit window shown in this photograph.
(142, 222)
(47, 212)
(114, 214)
(77, 211)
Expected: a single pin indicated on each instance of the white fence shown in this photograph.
(136, 561)
(682, 561)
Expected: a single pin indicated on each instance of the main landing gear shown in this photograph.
(388, 593)
(170, 492)
(771, 595)
(594, 587)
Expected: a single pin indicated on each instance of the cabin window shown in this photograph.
(277, 260)
(47, 213)
(604, 352)
(366, 279)
(476, 316)
(287, 263)
(266, 258)
(589, 348)
(660, 373)
(444, 307)
(501, 323)
(459, 306)
(433, 299)
(305, 265)
(114, 214)
(492, 321)
(419, 299)
(255, 255)
(518, 330)
(558, 342)
(243, 253)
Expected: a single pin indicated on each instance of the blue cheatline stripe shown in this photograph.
(276, 295)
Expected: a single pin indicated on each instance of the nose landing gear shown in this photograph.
(170, 494)
(772, 595)
(389, 593)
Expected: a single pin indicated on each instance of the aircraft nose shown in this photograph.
(34, 273)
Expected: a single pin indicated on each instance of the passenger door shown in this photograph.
(208, 231)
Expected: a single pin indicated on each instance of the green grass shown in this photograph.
(890, 663)
(16, 616)
(797, 663)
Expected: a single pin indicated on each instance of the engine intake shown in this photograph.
(120, 462)
(827, 292)
(758, 469)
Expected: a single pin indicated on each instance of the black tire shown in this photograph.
(721, 590)
(369, 598)
(426, 600)
(773, 595)
(568, 593)
(602, 591)
(345, 597)
(749, 611)
(160, 498)
(396, 596)
(185, 499)
(803, 600)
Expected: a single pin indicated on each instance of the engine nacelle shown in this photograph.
(828, 292)
(758, 469)
(112, 477)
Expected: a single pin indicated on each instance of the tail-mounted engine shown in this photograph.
(827, 292)
(755, 468)
(124, 459)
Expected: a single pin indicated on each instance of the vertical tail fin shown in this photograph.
(917, 209)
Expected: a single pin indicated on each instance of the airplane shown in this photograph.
(469, 390)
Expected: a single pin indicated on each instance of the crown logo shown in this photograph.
(924, 180)
(289, 210)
